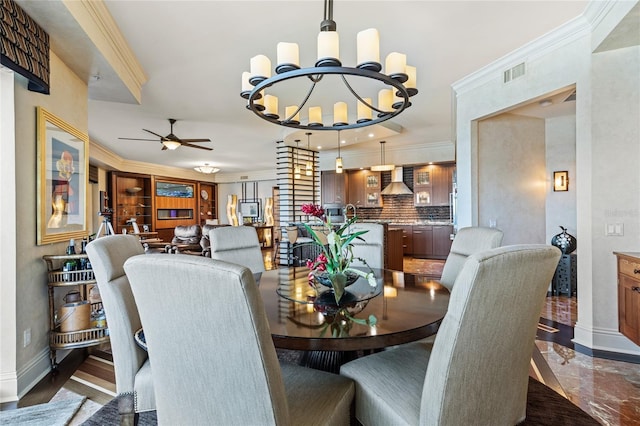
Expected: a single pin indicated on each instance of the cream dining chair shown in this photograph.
(134, 382)
(476, 371)
(467, 241)
(240, 245)
(208, 336)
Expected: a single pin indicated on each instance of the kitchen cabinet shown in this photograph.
(407, 239)
(394, 253)
(432, 184)
(422, 240)
(334, 187)
(356, 188)
(441, 241)
(372, 189)
(131, 198)
(629, 295)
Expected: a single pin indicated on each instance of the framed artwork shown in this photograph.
(63, 164)
(250, 209)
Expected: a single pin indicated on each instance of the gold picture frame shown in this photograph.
(63, 164)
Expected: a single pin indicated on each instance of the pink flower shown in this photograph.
(313, 210)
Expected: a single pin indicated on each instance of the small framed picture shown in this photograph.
(145, 228)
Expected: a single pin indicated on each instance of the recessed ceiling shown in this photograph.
(194, 52)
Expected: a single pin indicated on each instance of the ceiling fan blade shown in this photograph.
(197, 146)
(195, 140)
(135, 139)
(154, 133)
(164, 148)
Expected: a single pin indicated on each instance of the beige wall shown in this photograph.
(68, 100)
(512, 177)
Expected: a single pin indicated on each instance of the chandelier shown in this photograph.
(206, 169)
(398, 82)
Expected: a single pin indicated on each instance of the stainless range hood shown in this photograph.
(397, 186)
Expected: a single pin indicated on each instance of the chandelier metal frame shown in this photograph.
(369, 70)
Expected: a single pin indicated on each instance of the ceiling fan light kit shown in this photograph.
(398, 82)
(173, 142)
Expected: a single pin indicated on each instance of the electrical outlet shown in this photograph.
(27, 337)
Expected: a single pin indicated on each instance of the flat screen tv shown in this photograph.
(250, 209)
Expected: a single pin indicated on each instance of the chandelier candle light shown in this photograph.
(396, 84)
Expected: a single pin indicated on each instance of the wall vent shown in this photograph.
(513, 73)
(244, 177)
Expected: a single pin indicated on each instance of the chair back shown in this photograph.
(371, 247)
(238, 244)
(107, 256)
(467, 242)
(207, 333)
(479, 366)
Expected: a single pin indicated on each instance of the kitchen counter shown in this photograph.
(410, 222)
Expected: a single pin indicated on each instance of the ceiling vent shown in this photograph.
(513, 73)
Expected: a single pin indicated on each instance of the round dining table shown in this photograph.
(405, 308)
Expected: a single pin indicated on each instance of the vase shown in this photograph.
(327, 280)
(326, 303)
(564, 241)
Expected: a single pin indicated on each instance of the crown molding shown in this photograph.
(574, 29)
(96, 21)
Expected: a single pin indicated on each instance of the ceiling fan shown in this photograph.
(171, 141)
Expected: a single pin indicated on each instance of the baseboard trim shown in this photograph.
(614, 356)
(33, 372)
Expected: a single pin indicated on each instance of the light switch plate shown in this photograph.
(614, 229)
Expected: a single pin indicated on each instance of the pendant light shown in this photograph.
(382, 167)
(309, 166)
(338, 158)
(296, 168)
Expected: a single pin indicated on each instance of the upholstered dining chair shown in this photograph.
(187, 237)
(238, 244)
(476, 371)
(134, 382)
(467, 241)
(208, 336)
(371, 246)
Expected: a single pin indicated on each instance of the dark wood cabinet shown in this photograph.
(422, 240)
(629, 295)
(432, 184)
(372, 189)
(407, 239)
(394, 251)
(334, 187)
(356, 188)
(208, 194)
(441, 241)
(131, 199)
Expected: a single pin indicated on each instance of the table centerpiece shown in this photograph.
(332, 267)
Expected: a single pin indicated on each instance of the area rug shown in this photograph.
(57, 413)
(544, 408)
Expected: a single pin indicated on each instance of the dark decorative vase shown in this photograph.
(325, 279)
(564, 241)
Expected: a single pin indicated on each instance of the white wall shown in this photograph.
(607, 150)
(511, 177)
(560, 133)
(265, 189)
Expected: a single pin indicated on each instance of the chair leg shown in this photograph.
(128, 417)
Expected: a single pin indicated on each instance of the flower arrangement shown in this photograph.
(337, 252)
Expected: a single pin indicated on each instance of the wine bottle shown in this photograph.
(71, 248)
(84, 260)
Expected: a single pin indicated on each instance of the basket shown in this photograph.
(74, 316)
